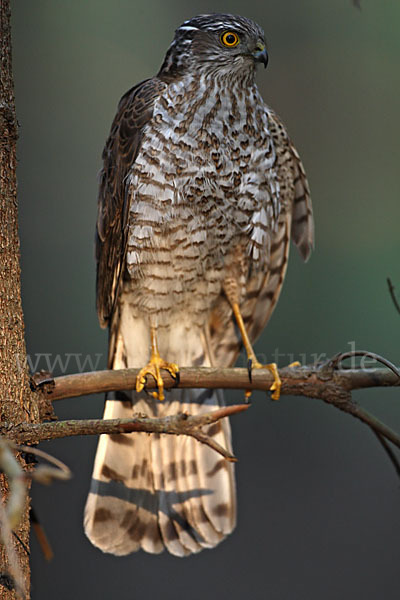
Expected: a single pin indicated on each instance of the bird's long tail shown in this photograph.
(156, 491)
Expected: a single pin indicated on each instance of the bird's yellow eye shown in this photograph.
(230, 39)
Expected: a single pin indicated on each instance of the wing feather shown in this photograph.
(263, 287)
(134, 111)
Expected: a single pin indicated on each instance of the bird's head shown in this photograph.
(215, 43)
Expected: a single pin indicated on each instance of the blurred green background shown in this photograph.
(318, 498)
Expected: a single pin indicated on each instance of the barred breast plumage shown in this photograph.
(198, 189)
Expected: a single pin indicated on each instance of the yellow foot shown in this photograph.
(277, 384)
(153, 368)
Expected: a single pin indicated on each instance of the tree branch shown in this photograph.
(325, 381)
(180, 424)
(10, 514)
(16, 481)
(312, 381)
(392, 293)
(388, 450)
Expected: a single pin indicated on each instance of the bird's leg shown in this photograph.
(153, 368)
(253, 363)
(232, 292)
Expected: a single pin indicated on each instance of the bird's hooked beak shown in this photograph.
(260, 54)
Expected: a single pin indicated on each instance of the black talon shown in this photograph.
(249, 369)
(176, 378)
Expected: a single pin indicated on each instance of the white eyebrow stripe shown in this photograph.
(219, 24)
(189, 28)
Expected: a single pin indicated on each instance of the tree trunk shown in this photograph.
(16, 399)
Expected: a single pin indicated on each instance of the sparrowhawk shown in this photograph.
(201, 190)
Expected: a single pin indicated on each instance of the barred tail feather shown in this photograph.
(158, 491)
(122, 500)
(155, 491)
